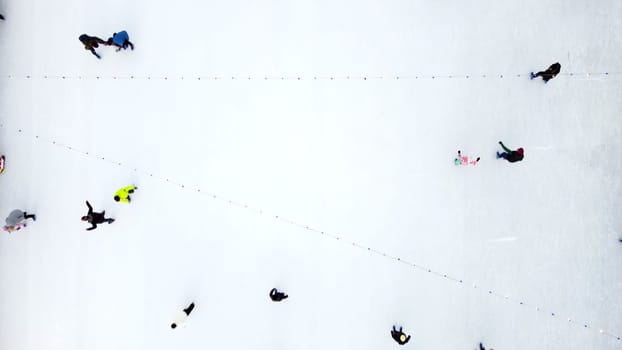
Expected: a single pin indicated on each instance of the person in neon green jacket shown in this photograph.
(123, 195)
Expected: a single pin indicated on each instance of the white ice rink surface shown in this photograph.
(368, 161)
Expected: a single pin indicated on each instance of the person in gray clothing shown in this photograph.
(16, 218)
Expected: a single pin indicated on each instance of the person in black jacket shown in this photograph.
(91, 43)
(2, 17)
(95, 218)
(399, 336)
(548, 74)
(511, 156)
(276, 296)
(481, 347)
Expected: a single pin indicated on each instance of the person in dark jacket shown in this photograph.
(548, 74)
(2, 17)
(95, 218)
(399, 336)
(91, 43)
(509, 155)
(276, 296)
(121, 40)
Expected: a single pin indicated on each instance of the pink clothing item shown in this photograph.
(10, 229)
(464, 160)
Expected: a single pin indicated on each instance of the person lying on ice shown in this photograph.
(464, 160)
(95, 218)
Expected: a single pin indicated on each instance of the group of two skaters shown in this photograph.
(121, 40)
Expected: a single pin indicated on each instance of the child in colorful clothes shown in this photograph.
(123, 195)
(464, 160)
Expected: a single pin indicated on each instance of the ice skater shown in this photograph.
(17, 220)
(399, 336)
(121, 40)
(95, 218)
(548, 74)
(123, 195)
(464, 160)
(277, 296)
(481, 347)
(91, 43)
(182, 316)
(511, 156)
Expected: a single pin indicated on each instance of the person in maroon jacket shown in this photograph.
(510, 155)
(399, 336)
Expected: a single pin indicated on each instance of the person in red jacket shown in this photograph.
(511, 156)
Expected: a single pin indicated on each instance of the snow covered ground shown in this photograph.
(369, 161)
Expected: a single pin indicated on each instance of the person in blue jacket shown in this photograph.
(121, 40)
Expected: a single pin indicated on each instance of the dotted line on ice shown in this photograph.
(458, 281)
(328, 77)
